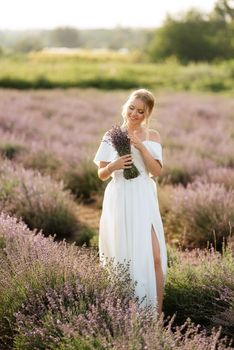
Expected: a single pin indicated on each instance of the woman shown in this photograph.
(130, 225)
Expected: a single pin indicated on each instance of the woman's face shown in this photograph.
(136, 111)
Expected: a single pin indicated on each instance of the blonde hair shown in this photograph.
(147, 98)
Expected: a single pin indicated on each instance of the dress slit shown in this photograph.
(154, 232)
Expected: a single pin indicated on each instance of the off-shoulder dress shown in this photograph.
(130, 208)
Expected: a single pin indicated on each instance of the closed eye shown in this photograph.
(139, 110)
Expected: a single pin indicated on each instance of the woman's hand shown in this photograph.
(135, 141)
(122, 162)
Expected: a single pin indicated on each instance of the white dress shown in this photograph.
(130, 208)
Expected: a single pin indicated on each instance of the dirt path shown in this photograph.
(89, 216)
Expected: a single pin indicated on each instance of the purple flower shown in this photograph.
(121, 143)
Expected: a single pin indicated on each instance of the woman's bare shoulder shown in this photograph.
(154, 135)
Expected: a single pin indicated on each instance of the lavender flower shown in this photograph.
(121, 143)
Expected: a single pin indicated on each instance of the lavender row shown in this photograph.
(57, 296)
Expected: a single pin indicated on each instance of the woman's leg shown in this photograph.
(158, 269)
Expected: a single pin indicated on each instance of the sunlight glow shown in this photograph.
(47, 14)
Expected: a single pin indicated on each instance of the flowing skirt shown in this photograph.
(130, 209)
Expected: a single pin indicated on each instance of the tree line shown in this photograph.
(195, 36)
(190, 36)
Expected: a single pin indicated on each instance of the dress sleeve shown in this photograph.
(106, 152)
(155, 150)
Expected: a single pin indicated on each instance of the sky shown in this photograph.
(47, 14)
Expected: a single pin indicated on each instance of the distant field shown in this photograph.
(112, 71)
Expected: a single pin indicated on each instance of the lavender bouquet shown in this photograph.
(121, 143)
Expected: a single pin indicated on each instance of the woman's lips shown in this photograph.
(132, 118)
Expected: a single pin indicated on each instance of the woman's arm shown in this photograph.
(106, 168)
(152, 165)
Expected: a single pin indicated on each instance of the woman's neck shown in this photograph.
(132, 128)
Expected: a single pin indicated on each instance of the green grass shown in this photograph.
(28, 72)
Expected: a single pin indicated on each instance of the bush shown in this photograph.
(83, 183)
(176, 175)
(63, 318)
(199, 213)
(35, 270)
(220, 175)
(44, 161)
(10, 150)
(57, 296)
(86, 236)
(2, 243)
(182, 167)
(39, 201)
(200, 285)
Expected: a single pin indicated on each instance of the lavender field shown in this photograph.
(53, 294)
